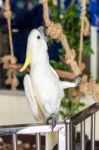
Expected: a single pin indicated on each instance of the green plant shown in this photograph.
(69, 108)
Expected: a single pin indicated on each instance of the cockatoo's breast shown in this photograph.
(47, 88)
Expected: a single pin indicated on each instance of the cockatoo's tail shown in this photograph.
(27, 61)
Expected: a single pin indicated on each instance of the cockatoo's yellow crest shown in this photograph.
(27, 61)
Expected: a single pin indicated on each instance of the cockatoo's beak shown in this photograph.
(27, 61)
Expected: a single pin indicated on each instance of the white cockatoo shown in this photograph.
(43, 88)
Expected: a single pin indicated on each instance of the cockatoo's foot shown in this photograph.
(52, 121)
(78, 79)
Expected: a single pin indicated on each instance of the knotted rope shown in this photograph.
(7, 15)
(84, 31)
(55, 32)
(10, 59)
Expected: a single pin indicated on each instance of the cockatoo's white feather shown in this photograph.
(55, 73)
(49, 91)
(33, 102)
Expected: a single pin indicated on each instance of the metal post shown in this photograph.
(62, 139)
(68, 134)
(82, 138)
(14, 141)
(93, 132)
(38, 141)
(73, 144)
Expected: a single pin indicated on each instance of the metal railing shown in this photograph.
(80, 118)
(67, 127)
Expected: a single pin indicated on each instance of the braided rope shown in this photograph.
(7, 14)
(84, 31)
(55, 32)
(10, 59)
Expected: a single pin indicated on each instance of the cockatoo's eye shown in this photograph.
(38, 37)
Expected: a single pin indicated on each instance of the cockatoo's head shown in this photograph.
(36, 45)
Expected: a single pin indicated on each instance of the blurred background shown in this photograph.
(27, 15)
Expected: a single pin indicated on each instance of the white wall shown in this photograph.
(14, 108)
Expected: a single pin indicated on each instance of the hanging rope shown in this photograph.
(10, 59)
(55, 32)
(7, 15)
(84, 31)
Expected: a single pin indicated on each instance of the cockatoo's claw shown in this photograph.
(52, 121)
(78, 79)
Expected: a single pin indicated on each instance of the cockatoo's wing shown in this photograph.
(51, 138)
(32, 100)
(54, 72)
